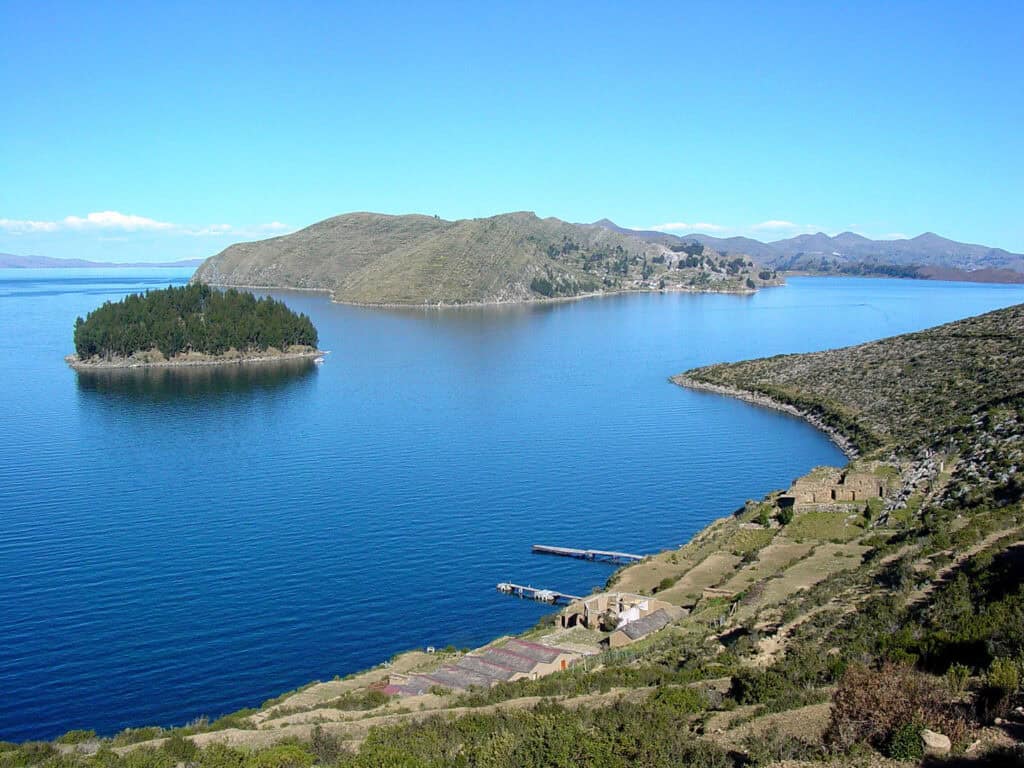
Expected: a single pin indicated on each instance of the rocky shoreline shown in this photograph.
(500, 302)
(191, 361)
(842, 442)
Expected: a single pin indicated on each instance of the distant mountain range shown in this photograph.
(10, 261)
(926, 256)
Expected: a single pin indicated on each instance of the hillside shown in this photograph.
(371, 258)
(927, 256)
(905, 391)
(865, 615)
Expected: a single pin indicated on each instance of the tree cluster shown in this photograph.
(193, 318)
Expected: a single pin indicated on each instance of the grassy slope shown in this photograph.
(378, 259)
(902, 391)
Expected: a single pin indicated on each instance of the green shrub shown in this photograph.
(785, 516)
(1002, 682)
(180, 748)
(957, 676)
(1004, 674)
(147, 757)
(667, 583)
(105, 757)
(772, 746)
(281, 756)
(221, 756)
(76, 737)
(679, 699)
(905, 743)
(359, 700)
(135, 735)
(239, 719)
(29, 753)
(326, 747)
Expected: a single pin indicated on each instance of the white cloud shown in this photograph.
(115, 220)
(126, 222)
(673, 226)
(21, 226)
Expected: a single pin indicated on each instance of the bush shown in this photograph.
(772, 746)
(667, 583)
(956, 677)
(326, 747)
(180, 748)
(785, 516)
(29, 753)
(135, 735)
(871, 705)
(239, 719)
(1001, 684)
(76, 737)
(281, 756)
(359, 700)
(147, 757)
(221, 756)
(680, 700)
(905, 743)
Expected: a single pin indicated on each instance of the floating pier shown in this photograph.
(588, 554)
(533, 593)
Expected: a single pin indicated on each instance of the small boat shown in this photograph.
(319, 360)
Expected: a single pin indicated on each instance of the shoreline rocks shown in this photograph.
(190, 361)
(841, 441)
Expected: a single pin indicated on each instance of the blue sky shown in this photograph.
(152, 131)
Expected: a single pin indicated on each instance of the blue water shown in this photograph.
(172, 545)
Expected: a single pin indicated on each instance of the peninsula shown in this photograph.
(191, 325)
(372, 258)
(874, 610)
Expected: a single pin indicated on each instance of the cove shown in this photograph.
(177, 547)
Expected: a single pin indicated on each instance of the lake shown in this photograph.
(179, 545)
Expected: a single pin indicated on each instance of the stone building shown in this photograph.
(515, 660)
(826, 485)
(625, 606)
(635, 630)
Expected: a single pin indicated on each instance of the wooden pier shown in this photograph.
(600, 555)
(533, 593)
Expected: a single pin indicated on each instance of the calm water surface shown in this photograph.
(172, 546)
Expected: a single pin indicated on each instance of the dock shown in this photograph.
(533, 593)
(599, 555)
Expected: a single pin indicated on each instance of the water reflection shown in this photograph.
(194, 381)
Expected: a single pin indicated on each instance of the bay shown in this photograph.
(179, 545)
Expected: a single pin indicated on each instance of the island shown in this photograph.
(416, 260)
(872, 611)
(191, 325)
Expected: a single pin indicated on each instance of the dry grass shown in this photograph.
(826, 560)
(710, 572)
(823, 526)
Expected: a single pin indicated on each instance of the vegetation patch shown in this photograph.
(192, 318)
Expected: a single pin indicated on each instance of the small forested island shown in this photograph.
(191, 325)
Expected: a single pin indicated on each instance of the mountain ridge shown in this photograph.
(822, 252)
(13, 261)
(415, 259)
